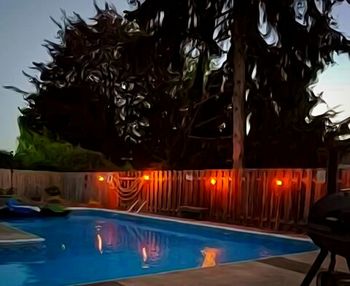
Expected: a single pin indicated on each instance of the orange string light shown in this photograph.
(279, 183)
(213, 181)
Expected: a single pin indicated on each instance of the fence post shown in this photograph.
(332, 170)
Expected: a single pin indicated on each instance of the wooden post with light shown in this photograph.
(278, 185)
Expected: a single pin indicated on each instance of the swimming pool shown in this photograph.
(91, 245)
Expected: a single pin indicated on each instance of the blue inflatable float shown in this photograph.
(15, 208)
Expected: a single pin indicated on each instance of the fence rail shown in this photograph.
(272, 198)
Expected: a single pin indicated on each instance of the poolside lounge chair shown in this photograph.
(52, 195)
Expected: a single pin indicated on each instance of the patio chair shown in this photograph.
(52, 195)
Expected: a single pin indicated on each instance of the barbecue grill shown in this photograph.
(329, 228)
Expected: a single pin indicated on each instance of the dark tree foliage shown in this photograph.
(100, 90)
(157, 86)
(39, 152)
(292, 137)
(6, 160)
(185, 40)
(287, 44)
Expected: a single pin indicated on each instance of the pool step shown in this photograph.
(12, 235)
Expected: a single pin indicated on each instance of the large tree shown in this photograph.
(277, 48)
(183, 76)
(96, 91)
(108, 87)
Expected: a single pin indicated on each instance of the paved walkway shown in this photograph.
(279, 271)
(10, 235)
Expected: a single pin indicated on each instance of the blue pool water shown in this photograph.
(89, 246)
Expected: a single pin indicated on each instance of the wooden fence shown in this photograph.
(262, 198)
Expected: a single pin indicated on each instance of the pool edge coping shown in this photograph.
(193, 268)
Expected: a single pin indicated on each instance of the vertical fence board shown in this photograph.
(5, 179)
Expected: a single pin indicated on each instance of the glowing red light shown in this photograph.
(146, 177)
(100, 178)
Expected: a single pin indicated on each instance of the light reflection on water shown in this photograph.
(210, 256)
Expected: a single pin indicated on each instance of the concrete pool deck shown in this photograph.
(287, 270)
(12, 235)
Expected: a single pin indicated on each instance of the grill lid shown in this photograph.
(332, 213)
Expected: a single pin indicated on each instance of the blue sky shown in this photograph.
(24, 24)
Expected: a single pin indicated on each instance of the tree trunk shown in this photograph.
(238, 97)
